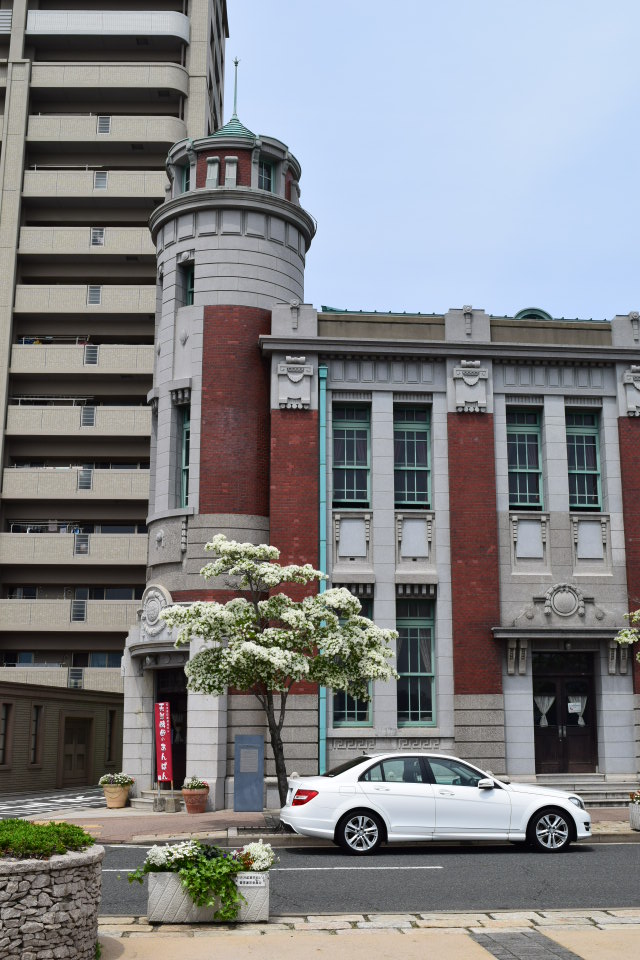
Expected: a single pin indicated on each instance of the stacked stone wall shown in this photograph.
(49, 908)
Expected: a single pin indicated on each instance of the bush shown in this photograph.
(33, 841)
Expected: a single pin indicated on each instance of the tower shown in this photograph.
(231, 242)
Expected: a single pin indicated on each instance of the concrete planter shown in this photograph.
(116, 796)
(634, 816)
(49, 908)
(169, 902)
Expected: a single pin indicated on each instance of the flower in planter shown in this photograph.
(206, 872)
(195, 783)
(115, 780)
(635, 797)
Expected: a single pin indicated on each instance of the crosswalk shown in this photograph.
(50, 801)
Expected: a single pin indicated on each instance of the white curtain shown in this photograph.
(544, 704)
(583, 703)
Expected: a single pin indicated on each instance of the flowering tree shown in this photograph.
(630, 634)
(264, 641)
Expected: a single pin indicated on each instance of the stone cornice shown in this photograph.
(498, 352)
(236, 198)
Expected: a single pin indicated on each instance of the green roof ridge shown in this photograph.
(233, 128)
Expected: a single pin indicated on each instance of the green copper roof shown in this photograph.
(233, 128)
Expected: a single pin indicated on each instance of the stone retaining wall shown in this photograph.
(49, 908)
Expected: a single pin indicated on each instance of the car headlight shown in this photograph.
(578, 802)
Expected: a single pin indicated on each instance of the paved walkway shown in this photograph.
(609, 824)
(508, 935)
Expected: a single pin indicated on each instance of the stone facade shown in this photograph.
(49, 908)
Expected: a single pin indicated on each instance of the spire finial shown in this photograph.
(235, 88)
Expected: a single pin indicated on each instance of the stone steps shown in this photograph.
(595, 789)
(147, 798)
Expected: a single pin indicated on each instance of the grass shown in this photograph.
(33, 841)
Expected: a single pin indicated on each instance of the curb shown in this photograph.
(235, 837)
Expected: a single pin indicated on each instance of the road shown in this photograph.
(421, 878)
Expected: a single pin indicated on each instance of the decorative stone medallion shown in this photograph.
(565, 600)
(154, 599)
(631, 381)
(470, 381)
(294, 384)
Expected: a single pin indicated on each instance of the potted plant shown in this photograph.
(48, 872)
(634, 810)
(116, 788)
(195, 792)
(191, 882)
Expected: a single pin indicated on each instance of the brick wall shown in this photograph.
(244, 166)
(629, 434)
(234, 451)
(474, 554)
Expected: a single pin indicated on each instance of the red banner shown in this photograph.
(164, 759)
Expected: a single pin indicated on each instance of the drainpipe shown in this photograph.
(322, 519)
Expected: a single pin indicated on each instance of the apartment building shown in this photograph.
(92, 98)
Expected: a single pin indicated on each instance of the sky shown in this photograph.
(482, 152)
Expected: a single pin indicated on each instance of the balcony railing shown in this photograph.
(87, 421)
(43, 182)
(104, 616)
(107, 23)
(108, 679)
(89, 127)
(74, 483)
(79, 549)
(74, 298)
(151, 76)
(88, 358)
(132, 241)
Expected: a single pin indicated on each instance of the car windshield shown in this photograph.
(347, 765)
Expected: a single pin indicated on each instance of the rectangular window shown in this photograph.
(35, 735)
(583, 456)
(415, 663)
(265, 176)
(187, 275)
(6, 731)
(351, 456)
(347, 710)
(186, 178)
(111, 736)
(524, 460)
(185, 441)
(100, 179)
(411, 443)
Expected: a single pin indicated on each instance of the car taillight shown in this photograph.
(303, 796)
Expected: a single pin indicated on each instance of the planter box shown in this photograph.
(634, 816)
(36, 894)
(116, 796)
(169, 902)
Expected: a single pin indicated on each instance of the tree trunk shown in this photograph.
(277, 746)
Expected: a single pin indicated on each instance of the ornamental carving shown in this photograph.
(470, 382)
(631, 381)
(154, 600)
(565, 600)
(294, 384)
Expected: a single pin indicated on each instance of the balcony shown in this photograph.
(49, 616)
(108, 679)
(84, 359)
(116, 23)
(82, 549)
(112, 241)
(86, 421)
(73, 298)
(85, 128)
(74, 483)
(82, 183)
(100, 76)
(6, 16)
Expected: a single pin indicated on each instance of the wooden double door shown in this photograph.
(564, 713)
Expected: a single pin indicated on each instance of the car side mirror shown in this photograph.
(486, 784)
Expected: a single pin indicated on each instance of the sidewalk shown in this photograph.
(609, 825)
(561, 935)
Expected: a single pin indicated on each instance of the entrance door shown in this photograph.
(76, 749)
(564, 713)
(171, 686)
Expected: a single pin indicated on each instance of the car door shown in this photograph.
(464, 810)
(399, 787)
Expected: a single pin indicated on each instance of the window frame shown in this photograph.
(263, 165)
(423, 620)
(525, 430)
(185, 178)
(419, 428)
(352, 704)
(110, 736)
(7, 717)
(354, 424)
(36, 735)
(189, 283)
(584, 430)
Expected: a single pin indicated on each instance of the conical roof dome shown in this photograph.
(233, 128)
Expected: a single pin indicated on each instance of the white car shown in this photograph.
(425, 796)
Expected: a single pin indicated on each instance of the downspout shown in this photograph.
(322, 519)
